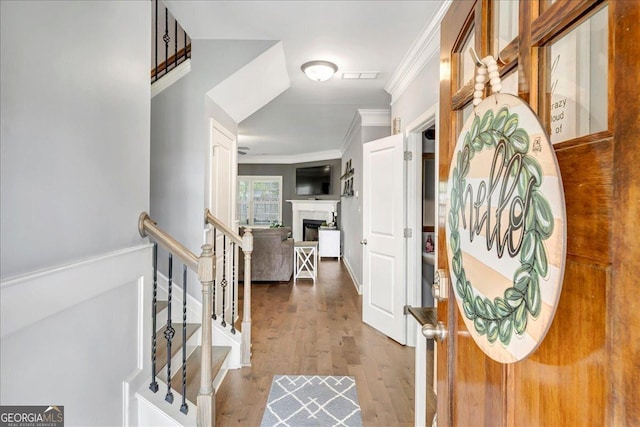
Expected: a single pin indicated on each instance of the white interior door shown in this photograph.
(223, 174)
(384, 288)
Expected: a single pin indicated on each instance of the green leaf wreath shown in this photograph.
(500, 317)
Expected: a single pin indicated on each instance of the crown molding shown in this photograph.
(355, 124)
(362, 117)
(381, 117)
(296, 158)
(423, 49)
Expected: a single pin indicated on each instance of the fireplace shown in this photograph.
(310, 229)
(319, 210)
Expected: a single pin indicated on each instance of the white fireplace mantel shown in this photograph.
(311, 209)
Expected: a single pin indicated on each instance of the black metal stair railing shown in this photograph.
(223, 282)
(154, 313)
(167, 33)
(226, 243)
(169, 330)
(214, 314)
(204, 266)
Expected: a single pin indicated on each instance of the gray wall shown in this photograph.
(75, 130)
(288, 173)
(74, 178)
(179, 138)
(351, 207)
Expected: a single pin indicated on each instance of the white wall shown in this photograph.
(74, 335)
(75, 130)
(179, 139)
(74, 178)
(421, 95)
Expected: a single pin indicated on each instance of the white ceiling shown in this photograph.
(309, 120)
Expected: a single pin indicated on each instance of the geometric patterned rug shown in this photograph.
(311, 400)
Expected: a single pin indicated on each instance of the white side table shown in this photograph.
(305, 260)
(328, 243)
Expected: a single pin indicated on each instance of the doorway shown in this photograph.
(422, 215)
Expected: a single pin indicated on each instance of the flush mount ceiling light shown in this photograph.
(319, 71)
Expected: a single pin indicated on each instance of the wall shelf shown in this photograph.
(347, 187)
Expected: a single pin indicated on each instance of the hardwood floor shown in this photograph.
(317, 330)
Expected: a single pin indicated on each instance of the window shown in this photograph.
(259, 200)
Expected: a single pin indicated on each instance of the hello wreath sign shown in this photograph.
(506, 223)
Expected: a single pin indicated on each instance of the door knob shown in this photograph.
(363, 241)
(437, 332)
(440, 287)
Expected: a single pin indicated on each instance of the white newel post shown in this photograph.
(206, 398)
(247, 248)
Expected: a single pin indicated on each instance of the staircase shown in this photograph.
(190, 357)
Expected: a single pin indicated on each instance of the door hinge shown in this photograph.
(408, 155)
(408, 233)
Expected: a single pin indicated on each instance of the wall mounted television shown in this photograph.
(313, 181)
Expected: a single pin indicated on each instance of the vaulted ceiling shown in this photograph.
(309, 120)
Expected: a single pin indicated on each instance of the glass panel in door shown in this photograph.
(578, 77)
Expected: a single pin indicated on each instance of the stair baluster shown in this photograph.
(169, 332)
(154, 384)
(223, 283)
(233, 288)
(175, 43)
(184, 408)
(213, 314)
(244, 243)
(166, 38)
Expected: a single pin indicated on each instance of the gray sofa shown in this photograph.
(272, 257)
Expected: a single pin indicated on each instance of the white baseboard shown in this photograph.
(154, 411)
(170, 78)
(222, 337)
(353, 276)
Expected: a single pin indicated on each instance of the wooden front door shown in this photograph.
(576, 63)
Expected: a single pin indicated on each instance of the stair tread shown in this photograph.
(219, 353)
(176, 343)
(161, 305)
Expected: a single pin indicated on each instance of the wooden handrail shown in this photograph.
(148, 227)
(210, 219)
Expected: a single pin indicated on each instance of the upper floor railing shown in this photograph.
(171, 45)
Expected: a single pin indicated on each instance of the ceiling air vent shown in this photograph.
(360, 75)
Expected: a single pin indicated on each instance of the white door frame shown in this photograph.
(210, 173)
(413, 139)
(210, 185)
